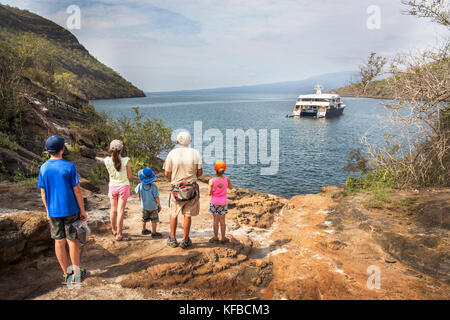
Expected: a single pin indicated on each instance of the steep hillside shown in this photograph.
(71, 61)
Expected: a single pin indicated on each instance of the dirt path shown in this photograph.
(143, 268)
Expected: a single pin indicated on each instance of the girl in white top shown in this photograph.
(119, 186)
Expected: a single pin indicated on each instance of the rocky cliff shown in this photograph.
(44, 114)
(92, 78)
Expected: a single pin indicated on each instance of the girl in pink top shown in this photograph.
(218, 205)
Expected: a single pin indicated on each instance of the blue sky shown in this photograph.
(163, 45)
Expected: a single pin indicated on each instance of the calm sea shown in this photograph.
(312, 152)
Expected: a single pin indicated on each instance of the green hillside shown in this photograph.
(66, 60)
(376, 89)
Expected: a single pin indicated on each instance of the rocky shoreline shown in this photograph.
(316, 246)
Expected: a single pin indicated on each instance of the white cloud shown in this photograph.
(185, 44)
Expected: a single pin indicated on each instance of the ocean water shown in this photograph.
(312, 152)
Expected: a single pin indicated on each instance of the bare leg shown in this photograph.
(216, 225)
(187, 226)
(143, 226)
(173, 226)
(120, 213)
(113, 214)
(61, 254)
(153, 227)
(222, 225)
(74, 250)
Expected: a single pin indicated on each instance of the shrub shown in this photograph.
(143, 138)
(99, 175)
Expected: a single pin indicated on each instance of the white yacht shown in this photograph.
(318, 105)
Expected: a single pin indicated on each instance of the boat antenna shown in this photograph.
(318, 88)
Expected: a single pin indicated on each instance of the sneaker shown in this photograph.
(156, 235)
(68, 276)
(172, 242)
(145, 232)
(78, 278)
(186, 243)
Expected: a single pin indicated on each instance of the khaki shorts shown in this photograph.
(150, 215)
(188, 208)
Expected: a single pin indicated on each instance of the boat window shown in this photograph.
(314, 100)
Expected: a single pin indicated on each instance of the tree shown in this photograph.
(437, 10)
(143, 138)
(370, 70)
(418, 153)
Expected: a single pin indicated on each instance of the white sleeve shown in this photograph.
(198, 160)
(167, 166)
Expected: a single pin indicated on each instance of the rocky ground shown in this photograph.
(309, 247)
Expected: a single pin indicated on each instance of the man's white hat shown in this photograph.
(184, 138)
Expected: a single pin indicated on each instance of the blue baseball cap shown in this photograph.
(54, 143)
(147, 175)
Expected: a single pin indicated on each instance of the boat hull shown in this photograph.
(308, 113)
(328, 114)
(334, 112)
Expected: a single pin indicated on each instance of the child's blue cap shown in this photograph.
(147, 175)
(54, 143)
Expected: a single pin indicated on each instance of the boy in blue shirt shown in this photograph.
(63, 201)
(150, 204)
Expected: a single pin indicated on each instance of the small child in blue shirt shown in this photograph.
(150, 204)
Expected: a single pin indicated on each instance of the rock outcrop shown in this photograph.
(317, 246)
(23, 235)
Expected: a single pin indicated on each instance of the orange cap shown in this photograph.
(220, 165)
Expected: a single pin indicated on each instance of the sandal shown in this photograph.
(172, 242)
(213, 240)
(156, 235)
(225, 240)
(186, 243)
(145, 232)
(122, 238)
(114, 232)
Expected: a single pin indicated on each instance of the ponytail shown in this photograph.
(115, 155)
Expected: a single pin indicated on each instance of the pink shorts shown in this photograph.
(121, 192)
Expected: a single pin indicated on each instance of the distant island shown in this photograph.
(327, 80)
(73, 62)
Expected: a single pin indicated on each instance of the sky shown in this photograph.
(165, 45)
